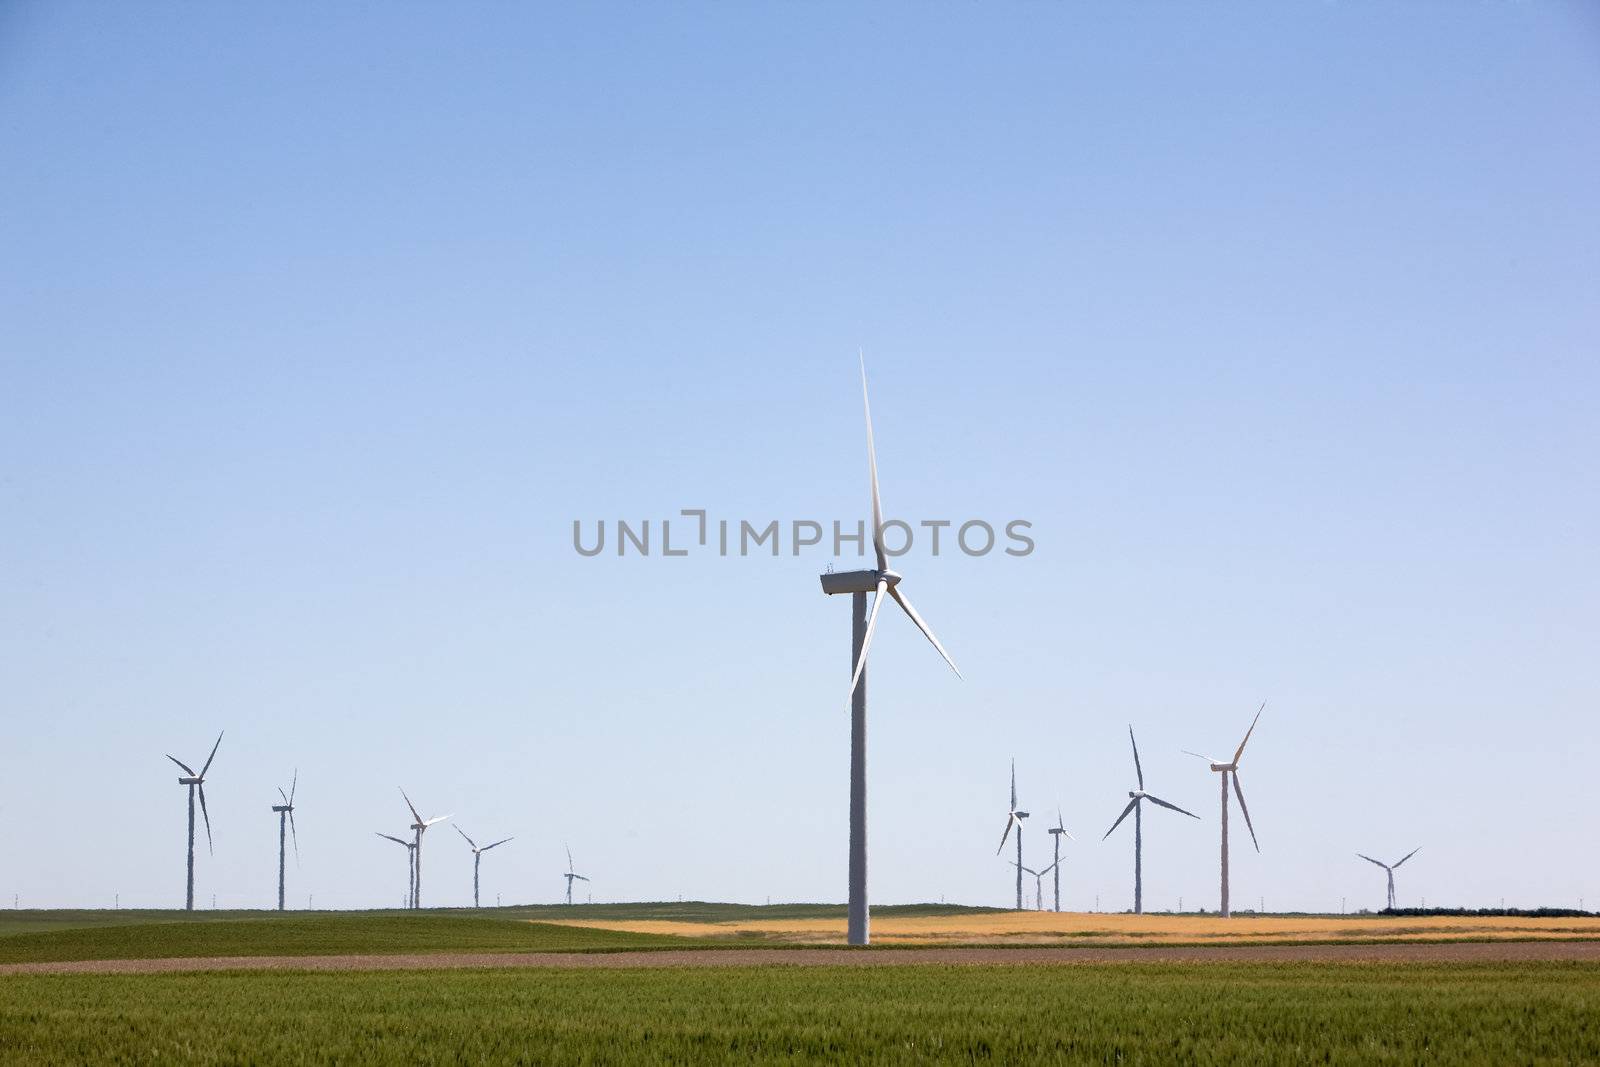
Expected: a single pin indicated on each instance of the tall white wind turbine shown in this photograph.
(1135, 802)
(1389, 869)
(1014, 817)
(1038, 883)
(196, 784)
(571, 875)
(1231, 770)
(411, 866)
(418, 828)
(1057, 832)
(881, 582)
(477, 858)
(286, 812)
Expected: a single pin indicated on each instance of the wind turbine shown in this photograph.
(570, 875)
(1038, 883)
(477, 857)
(411, 866)
(1136, 797)
(196, 783)
(1389, 868)
(417, 828)
(286, 812)
(1231, 770)
(1014, 818)
(881, 582)
(1057, 832)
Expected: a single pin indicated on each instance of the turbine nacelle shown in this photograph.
(190, 781)
(281, 807)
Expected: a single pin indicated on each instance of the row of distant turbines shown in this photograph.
(285, 812)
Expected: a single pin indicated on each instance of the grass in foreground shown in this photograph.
(319, 935)
(1155, 1013)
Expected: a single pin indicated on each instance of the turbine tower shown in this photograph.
(418, 828)
(1014, 818)
(1231, 770)
(570, 875)
(1057, 832)
(880, 582)
(411, 866)
(1389, 868)
(286, 813)
(1038, 882)
(477, 857)
(196, 784)
(1135, 805)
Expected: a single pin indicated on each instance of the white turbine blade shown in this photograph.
(414, 813)
(437, 818)
(1407, 856)
(866, 639)
(211, 757)
(284, 795)
(569, 859)
(391, 837)
(1369, 859)
(872, 466)
(294, 835)
(1174, 807)
(1201, 755)
(293, 785)
(502, 841)
(899, 598)
(1013, 785)
(1131, 805)
(1238, 792)
(1050, 868)
(207, 816)
(1137, 769)
(186, 768)
(463, 833)
(1009, 820)
(581, 877)
(1248, 732)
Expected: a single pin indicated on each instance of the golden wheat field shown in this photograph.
(1084, 928)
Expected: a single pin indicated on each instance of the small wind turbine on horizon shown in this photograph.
(411, 865)
(571, 875)
(1038, 883)
(1231, 770)
(196, 783)
(1389, 869)
(1057, 832)
(1014, 818)
(477, 857)
(1136, 799)
(286, 812)
(418, 828)
(881, 582)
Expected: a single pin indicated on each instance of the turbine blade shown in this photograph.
(463, 833)
(502, 841)
(569, 859)
(211, 757)
(1238, 792)
(186, 768)
(1131, 804)
(1200, 755)
(414, 814)
(900, 598)
(391, 837)
(1013, 784)
(1137, 769)
(1248, 732)
(437, 818)
(1408, 855)
(284, 795)
(207, 816)
(1009, 820)
(295, 836)
(872, 466)
(1174, 807)
(866, 639)
(581, 877)
(1369, 859)
(295, 784)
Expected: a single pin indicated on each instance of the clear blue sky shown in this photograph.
(319, 327)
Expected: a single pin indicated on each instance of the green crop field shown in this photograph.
(1143, 1013)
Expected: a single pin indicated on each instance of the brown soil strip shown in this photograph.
(1474, 952)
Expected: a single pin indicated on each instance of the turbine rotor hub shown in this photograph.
(890, 577)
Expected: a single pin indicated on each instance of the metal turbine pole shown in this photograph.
(283, 817)
(188, 898)
(476, 857)
(1058, 870)
(857, 930)
(1019, 864)
(1225, 911)
(416, 892)
(1138, 857)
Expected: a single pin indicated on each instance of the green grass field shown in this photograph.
(1156, 1013)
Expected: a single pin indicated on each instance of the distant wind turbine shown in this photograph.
(477, 857)
(1389, 868)
(418, 828)
(1014, 818)
(1134, 805)
(1057, 832)
(571, 874)
(1231, 770)
(881, 582)
(1038, 882)
(411, 866)
(196, 784)
(286, 813)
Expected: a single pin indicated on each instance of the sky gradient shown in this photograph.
(319, 328)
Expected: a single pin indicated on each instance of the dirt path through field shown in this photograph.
(1474, 952)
